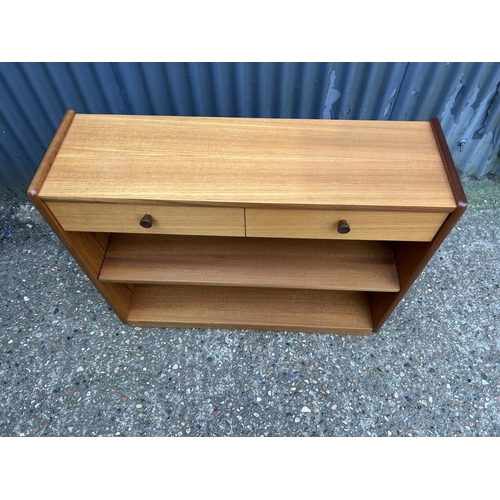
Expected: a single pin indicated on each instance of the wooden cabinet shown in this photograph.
(274, 224)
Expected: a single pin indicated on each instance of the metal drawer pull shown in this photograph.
(146, 221)
(343, 227)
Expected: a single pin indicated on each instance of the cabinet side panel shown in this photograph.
(411, 258)
(88, 249)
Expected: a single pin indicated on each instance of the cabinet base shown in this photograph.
(318, 311)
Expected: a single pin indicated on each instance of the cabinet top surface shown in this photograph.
(250, 162)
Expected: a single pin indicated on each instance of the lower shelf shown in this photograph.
(321, 311)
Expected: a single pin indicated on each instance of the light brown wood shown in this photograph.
(50, 155)
(387, 226)
(251, 308)
(413, 257)
(259, 262)
(122, 218)
(251, 162)
(87, 249)
(286, 184)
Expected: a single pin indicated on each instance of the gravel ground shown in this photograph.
(68, 367)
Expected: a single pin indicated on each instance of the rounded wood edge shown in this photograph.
(451, 170)
(50, 154)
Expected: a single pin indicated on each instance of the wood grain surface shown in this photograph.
(251, 162)
(251, 308)
(264, 262)
(87, 249)
(411, 258)
(375, 225)
(123, 218)
(286, 179)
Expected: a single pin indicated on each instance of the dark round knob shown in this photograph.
(146, 221)
(343, 227)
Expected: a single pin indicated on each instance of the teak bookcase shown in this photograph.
(272, 224)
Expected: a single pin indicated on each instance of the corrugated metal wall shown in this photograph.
(465, 96)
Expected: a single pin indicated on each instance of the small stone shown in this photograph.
(123, 398)
(305, 409)
(430, 399)
(26, 299)
(255, 414)
(138, 406)
(396, 395)
(29, 226)
(38, 335)
(334, 407)
(484, 382)
(175, 367)
(297, 420)
(79, 369)
(259, 400)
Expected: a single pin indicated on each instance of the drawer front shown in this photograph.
(323, 224)
(125, 218)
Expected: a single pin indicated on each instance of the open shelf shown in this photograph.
(250, 262)
(322, 311)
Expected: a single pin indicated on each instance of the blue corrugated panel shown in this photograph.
(33, 100)
(366, 91)
(465, 96)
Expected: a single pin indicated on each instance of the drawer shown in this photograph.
(323, 224)
(166, 219)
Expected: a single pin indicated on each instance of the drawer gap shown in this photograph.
(250, 262)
